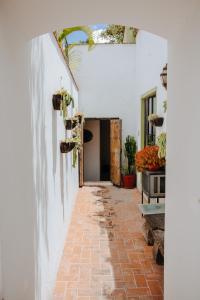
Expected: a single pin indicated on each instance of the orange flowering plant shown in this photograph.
(147, 159)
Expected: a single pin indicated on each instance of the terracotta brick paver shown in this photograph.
(105, 254)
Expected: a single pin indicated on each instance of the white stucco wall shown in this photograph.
(56, 181)
(92, 152)
(106, 77)
(151, 57)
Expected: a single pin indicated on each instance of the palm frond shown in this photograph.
(65, 32)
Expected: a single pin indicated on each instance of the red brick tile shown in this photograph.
(137, 291)
(154, 287)
(140, 280)
(105, 255)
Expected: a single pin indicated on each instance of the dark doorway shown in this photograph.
(104, 150)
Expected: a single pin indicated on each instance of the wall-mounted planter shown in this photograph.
(67, 147)
(158, 122)
(57, 98)
(70, 124)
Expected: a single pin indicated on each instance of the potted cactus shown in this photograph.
(129, 176)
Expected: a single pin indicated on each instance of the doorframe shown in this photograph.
(81, 157)
(150, 93)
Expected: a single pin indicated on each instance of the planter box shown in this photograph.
(153, 184)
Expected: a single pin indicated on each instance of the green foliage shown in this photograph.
(165, 106)
(130, 148)
(62, 36)
(116, 33)
(67, 99)
(76, 132)
(162, 142)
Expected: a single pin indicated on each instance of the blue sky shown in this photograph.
(81, 36)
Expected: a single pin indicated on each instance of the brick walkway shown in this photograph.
(105, 255)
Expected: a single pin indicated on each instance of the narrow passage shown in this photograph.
(105, 254)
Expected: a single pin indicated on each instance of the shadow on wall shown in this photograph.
(39, 141)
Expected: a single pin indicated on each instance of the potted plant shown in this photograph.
(148, 159)
(129, 176)
(80, 117)
(71, 123)
(67, 146)
(162, 142)
(155, 120)
(61, 100)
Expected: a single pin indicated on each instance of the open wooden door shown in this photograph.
(115, 151)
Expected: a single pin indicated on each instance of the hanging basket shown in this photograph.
(70, 124)
(57, 99)
(158, 122)
(67, 147)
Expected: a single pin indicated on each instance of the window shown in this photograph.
(149, 129)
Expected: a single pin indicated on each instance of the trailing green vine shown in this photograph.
(162, 142)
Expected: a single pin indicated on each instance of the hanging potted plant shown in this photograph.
(67, 145)
(155, 120)
(80, 117)
(148, 159)
(71, 123)
(61, 100)
(129, 176)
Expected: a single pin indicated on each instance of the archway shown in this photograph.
(18, 20)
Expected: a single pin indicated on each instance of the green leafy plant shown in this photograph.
(62, 37)
(165, 106)
(80, 117)
(162, 142)
(119, 34)
(129, 152)
(78, 143)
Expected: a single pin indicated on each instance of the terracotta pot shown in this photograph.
(129, 181)
(66, 147)
(70, 124)
(57, 101)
